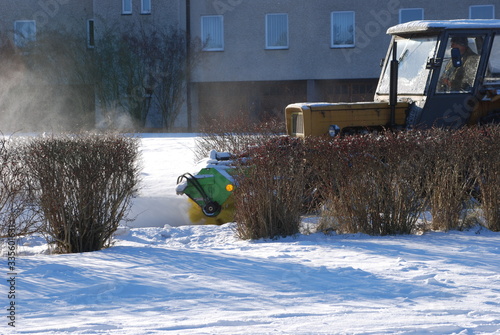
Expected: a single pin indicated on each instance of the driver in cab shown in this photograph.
(459, 77)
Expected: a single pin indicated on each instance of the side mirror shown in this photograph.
(456, 57)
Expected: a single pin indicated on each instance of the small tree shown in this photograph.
(164, 69)
(142, 69)
(84, 185)
(118, 81)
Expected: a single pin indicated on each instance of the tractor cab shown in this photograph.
(448, 71)
(435, 74)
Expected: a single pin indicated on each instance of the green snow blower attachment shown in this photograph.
(211, 188)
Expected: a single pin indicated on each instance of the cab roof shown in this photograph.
(438, 25)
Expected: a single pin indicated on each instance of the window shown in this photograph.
(493, 72)
(342, 29)
(145, 6)
(410, 14)
(277, 31)
(24, 32)
(482, 12)
(90, 34)
(126, 6)
(459, 75)
(212, 32)
(413, 74)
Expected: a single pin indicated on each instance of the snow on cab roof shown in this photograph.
(435, 25)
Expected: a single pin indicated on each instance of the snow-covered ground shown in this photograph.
(166, 277)
(164, 158)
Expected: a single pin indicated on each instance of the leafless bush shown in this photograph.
(270, 190)
(450, 177)
(84, 187)
(377, 184)
(487, 171)
(17, 213)
(234, 134)
(377, 188)
(326, 158)
(343, 210)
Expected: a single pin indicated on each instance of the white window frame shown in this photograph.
(421, 10)
(145, 6)
(205, 35)
(127, 7)
(271, 41)
(333, 30)
(471, 8)
(21, 41)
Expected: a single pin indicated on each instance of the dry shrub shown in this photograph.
(325, 159)
(388, 180)
(269, 196)
(487, 170)
(450, 179)
(377, 184)
(235, 135)
(18, 216)
(84, 185)
(377, 188)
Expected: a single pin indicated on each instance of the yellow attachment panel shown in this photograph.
(314, 119)
(196, 215)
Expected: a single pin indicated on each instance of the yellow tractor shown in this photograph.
(435, 74)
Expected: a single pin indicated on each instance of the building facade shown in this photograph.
(262, 54)
(256, 55)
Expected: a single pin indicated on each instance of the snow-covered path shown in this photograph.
(164, 157)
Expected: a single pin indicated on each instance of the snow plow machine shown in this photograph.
(435, 74)
(210, 190)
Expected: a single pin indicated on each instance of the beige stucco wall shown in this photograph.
(245, 58)
(164, 14)
(73, 14)
(70, 15)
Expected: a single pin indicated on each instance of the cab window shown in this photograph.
(412, 56)
(460, 64)
(493, 70)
